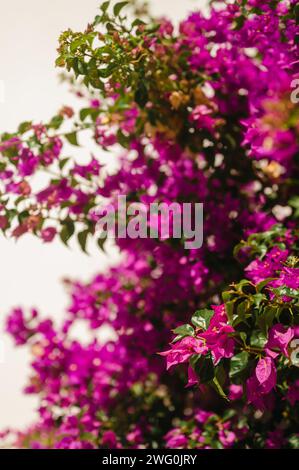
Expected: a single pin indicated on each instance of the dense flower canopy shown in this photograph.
(198, 113)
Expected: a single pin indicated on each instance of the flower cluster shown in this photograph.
(255, 360)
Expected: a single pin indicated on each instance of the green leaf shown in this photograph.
(60, 61)
(184, 330)
(243, 337)
(106, 72)
(229, 307)
(77, 43)
(265, 320)
(219, 380)
(202, 318)
(101, 242)
(242, 311)
(258, 339)
(63, 162)
(229, 414)
(294, 203)
(245, 287)
(67, 231)
(56, 122)
(258, 299)
(79, 66)
(118, 7)
(203, 367)
(216, 385)
(153, 28)
(238, 248)
(261, 285)
(104, 7)
(238, 363)
(82, 239)
(285, 291)
(226, 295)
(294, 441)
(23, 216)
(138, 22)
(98, 19)
(72, 138)
(24, 127)
(92, 112)
(239, 22)
(84, 113)
(141, 95)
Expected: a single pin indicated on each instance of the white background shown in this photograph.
(30, 271)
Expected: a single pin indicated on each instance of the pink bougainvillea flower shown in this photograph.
(275, 439)
(109, 440)
(259, 386)
(202, 118)
(217, 337)
(256, 396)
(175, 439)
(192, 377)
(48, 234)
(226, 437)
(219, 342)
(183, 350)
(288, 277)
(259, 270)
(3, 222)
(235, 392)
(279, 338)
(265, 373)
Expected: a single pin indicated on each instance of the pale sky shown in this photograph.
(31, 272)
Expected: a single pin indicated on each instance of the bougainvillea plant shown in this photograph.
(202, 112)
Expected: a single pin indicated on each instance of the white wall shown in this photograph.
(31, 271)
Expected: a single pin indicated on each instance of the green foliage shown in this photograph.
(201, 318)
(183, 331)
(238, 363)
